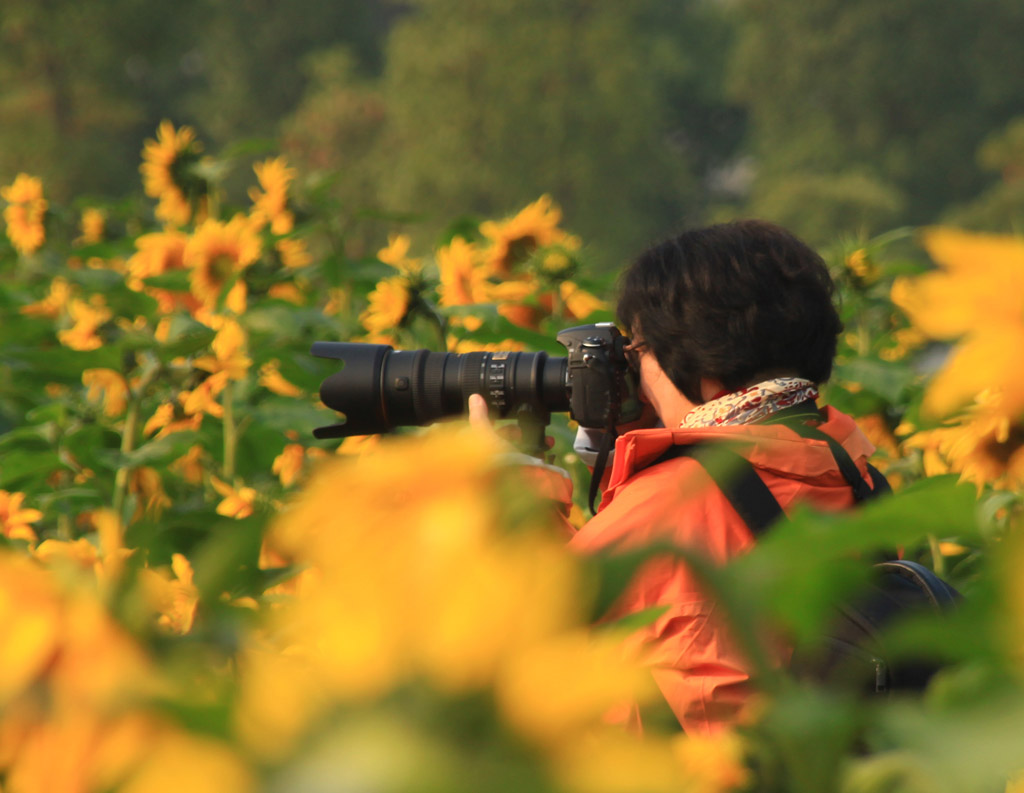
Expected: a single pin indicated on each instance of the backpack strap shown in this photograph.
(940, 594)
(736, 478)
(797, 421)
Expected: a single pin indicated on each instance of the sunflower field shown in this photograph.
(195, 594)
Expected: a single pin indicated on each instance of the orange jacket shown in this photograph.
(697, 667)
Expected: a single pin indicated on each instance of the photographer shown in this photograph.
(733, 328)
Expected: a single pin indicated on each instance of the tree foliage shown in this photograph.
(895, 96)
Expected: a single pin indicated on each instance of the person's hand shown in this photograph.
(506, 436)
(480, 419)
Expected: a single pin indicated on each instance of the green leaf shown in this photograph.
(185, 336)
(175, 280)
(888, 380)
(19, 467)
(156, 453)
(969, 749)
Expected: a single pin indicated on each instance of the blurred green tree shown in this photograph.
(890, 99)
(613, 109)
(84, 83)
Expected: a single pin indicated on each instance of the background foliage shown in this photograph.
(835, 118)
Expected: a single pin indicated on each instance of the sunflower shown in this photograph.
(463, 274)
(157, 254)
(53, 304)
(107, 387)
(24, 214)
(578, 301)
(93, 225)
(164, 172)
(229, 354)
(976, 298)
(237, 502)
(288, 464)
(88, 318)
(217, 253)
(396, 255)
(293, 253)
(389, 303)
(272, 379)
(14, 520)
(271, 202)
(988, 447)
(514, 239)
(985, 445)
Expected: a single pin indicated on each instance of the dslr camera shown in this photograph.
(379, 388)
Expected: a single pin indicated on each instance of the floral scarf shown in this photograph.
(751, 404)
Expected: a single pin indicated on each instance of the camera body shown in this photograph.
(380, 388)
(602, 387)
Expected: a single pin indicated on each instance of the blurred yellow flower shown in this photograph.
(237, 502)
(88, 318)
(55, 302)
(78, 751)
(863, 269)
(294, 253)
(977, 298)
(161, 158)
(93, 225)
(203, 398)
(14, 519)
(463, 280)
(229, 350)
(514, 239)
(108, 388)
(185, 761)
(359, 445)
(172, 594)
(164, 419)
(271, 203)
(580, 303)
(78, 553)
(30, 609)
(288, 292)
(389, 303)
(396, 254)
(145, 482)
(469, 345)
(985, 445)
(156, 254)
(712, 763)
(217, 253)
(24, 214)
(190, 465)
(338, 301)
(272, 379)
(614, 761)
(566, 684)
(288, 464)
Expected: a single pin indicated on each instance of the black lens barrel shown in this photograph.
(380, 388)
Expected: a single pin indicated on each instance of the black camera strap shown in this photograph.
(607, 444)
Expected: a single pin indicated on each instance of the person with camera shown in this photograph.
(733, 328)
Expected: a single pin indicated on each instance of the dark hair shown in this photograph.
(737, 302)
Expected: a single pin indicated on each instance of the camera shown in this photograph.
(380, 388)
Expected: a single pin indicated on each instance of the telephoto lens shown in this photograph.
(380, 388)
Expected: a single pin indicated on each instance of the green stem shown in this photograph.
(938, 560)
(64, 518)
(230, 432)
(131, 424)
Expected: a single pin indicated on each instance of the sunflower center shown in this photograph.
(221, 267)
(1002, 452)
